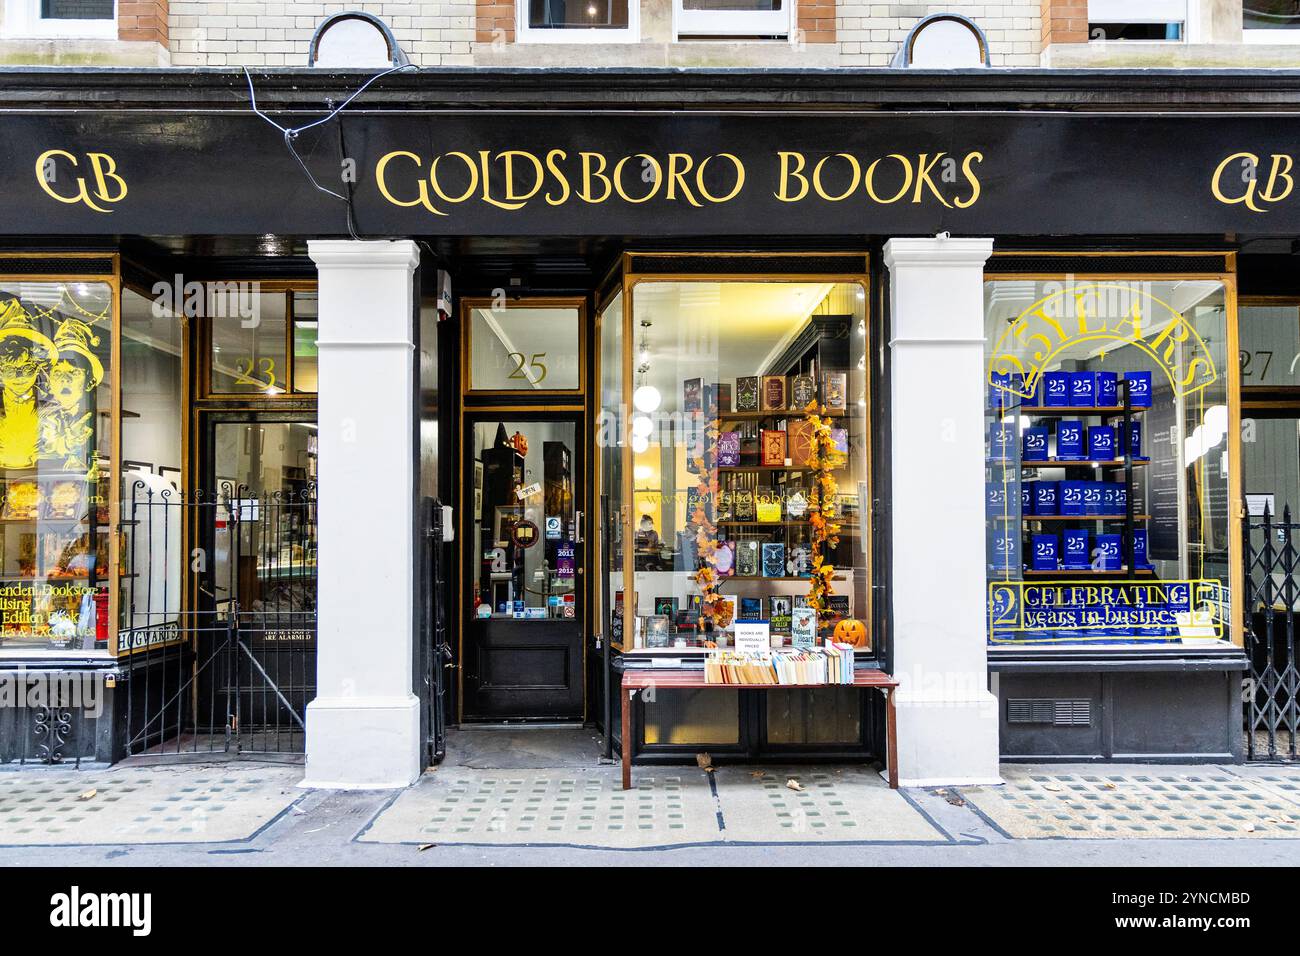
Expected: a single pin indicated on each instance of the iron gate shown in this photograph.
(1272, 700)
(435, 651)
(231, 665)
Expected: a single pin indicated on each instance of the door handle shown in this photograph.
(578, 520)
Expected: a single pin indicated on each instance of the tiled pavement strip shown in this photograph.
(584, 806)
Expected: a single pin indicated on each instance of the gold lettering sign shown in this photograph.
(512, 179)
(1100, 311)
(106, 185)
(1254, 181)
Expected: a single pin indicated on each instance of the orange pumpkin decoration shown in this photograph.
(851, 631)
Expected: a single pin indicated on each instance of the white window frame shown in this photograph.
(742, 23)
(1281, 35)
(23, 20)
(1142, 11)
(629, 34)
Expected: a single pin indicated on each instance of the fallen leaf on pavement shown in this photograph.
(427, 846)
(794, 784)
(88, 795)
(704, 762)
(1054, 787)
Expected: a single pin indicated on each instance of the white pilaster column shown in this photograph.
(363, 728)
(947, 719)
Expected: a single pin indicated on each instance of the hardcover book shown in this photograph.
(1139, 388)
(840, 439)
(692, 395)
(728, 449)
(772, 447)
(835, 390)
(724, 505)
(747, 559)
(767, 507)
(1074, 551)
(1034, 444)
(1101, 443)
(1083, 389)
(747, 393)
(837, 607)
(803, 391)
(773, 558)
(724, 396)
(1045, 552)
(1056, 389)
(779, 612)
(773, 393)
(742, 505)
(800, 560)
(803, 626)
(724, 559)
(1107, 389)
(1069, 440)
(666, 606)
(802, 442)
(751, 609)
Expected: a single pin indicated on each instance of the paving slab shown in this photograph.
(850, 804)
(1147, 802)
(174, 804)
(563, 806)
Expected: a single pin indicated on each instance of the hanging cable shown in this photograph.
(291, 133)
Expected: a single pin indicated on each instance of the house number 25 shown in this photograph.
(538, 367)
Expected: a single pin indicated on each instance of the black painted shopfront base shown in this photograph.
(1160, 705)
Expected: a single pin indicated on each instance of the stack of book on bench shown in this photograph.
(831, 664)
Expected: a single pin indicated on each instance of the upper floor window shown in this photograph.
(733, 19)
(578, 21)
(95, 19)
(1271, 21)
(1149, 20)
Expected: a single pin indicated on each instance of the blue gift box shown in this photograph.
(1140, 548)
(1072, 497)
(1109, 556)
(1092, 497)
(1069, 440)
(1074, 549)
(1056, 389)
(1134, 446)
(1034, 444)
(1107, 389)
(1046, 497)
(1027, 498)
(1101, 443)
(1001, 437)
(1004, 550)
(995, 499)
(1139, 390)
(1083, 389)
(1046, 552)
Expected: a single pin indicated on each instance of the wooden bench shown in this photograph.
(638, 680)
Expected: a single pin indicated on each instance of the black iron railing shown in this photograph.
(218, 634)
(1272, 698)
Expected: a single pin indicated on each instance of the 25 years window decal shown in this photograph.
(106, 185)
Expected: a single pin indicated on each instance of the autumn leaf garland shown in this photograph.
(713, 607)
(824, 529)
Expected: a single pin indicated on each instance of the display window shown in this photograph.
(58, 388)
(734, 441)
(262, 338)
(1111, 456)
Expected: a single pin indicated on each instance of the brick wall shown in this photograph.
(494, 19)
(219, 33)
(1065, 21)
(143, 20)
(817, 23)
(871, 33)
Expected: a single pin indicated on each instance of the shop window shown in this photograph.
(153, 421)
(611, 511)
(1269, 345)
(525, 348)
(263, 339)
(578, 21)
(57, 383)
(1158, 20)
(731, 19)
(1271, 21)
(732, 383)
(1109, 451)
